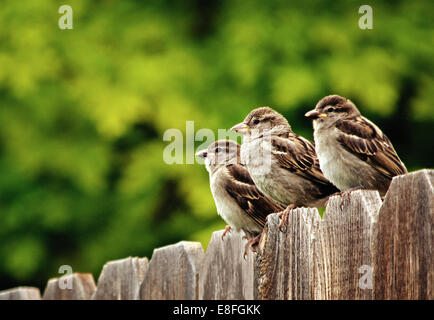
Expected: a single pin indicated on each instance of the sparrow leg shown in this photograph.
(247, 235)
(284, 215)
(227, 229)
(253, 243)
(346, 195)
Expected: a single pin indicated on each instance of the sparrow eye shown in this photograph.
(256, 121)
(330, 109)
(217, 150)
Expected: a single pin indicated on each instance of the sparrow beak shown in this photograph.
(313, 114)
(240, 128)
(202, 154)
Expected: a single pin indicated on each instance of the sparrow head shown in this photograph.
(262, 120)
(221, 152)
(332, 108)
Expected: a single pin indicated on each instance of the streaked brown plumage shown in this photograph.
(293, 176)
(238, 200)
(353, 152)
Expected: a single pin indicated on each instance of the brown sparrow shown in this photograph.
(353, 152)
(282, 164)
(238, 200)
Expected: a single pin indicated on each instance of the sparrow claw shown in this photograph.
(253, 243)
(344, 195)
(347, 195)
(284, 215)
(227, 229)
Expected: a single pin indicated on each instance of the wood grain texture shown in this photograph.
(225, 274)
(83, 287)
(21, 293)
(403, 264)
(361, 249)
(284, 261)
(121, 279)
(342, 246)
(173, 272)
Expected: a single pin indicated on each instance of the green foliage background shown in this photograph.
(83, 111)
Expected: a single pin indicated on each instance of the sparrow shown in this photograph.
(282, 164)
(239, 202)
(353, 152)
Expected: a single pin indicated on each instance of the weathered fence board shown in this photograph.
(284, 262)
(225, 274)
(403, 265)
(361, 249)
(173, 273)
(342, 246)
(21, 293)
(121, 279)
(76, 286)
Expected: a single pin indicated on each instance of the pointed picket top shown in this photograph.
(21, 293)
(225, 273)
(173, 272)
(284, 263)
(76, 286)
(121, 279)
(403, 246)
(343, 256)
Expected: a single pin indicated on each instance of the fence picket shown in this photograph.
(363, 248)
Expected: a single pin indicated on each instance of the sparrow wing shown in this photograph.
(242, 189)
(364, 139)
(297, 155)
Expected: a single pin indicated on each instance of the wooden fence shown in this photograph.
(363, 248)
